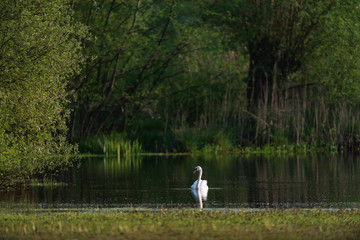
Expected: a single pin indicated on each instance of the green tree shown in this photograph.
(300, 53)
(276, 35)
(40, 51)
(258, 71)
(135, 51)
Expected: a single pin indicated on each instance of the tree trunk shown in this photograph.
(262, 88)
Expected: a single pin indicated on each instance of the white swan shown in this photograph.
(199, 184)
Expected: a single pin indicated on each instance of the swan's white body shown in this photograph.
(202, 185)
(200, 194)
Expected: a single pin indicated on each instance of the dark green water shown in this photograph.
(234, 182)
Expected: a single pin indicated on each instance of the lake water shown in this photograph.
(234, 182)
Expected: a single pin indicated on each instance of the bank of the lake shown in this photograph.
(176, 224)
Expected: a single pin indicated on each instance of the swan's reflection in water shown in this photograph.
(200, 195)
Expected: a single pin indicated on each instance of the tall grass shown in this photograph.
(114, 144)
(187, 224)
(295, 110)
(301, 117)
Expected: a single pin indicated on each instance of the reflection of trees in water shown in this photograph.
(303, 180)
(258, 182)
(200, 195)
(93, 172)
(121, 165)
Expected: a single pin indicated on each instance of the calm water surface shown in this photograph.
(234, 182)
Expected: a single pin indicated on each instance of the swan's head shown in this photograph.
(197, 168)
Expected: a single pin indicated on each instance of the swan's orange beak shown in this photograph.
(194, 171)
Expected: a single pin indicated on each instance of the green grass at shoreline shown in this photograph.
(180, 224)
(239, 150)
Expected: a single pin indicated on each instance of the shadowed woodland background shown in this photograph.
(175, 75)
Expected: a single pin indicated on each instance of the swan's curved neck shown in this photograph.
(199, 179)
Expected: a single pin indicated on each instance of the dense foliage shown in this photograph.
(39, 52)
(179, 75)
(176, 75)
(303, 67)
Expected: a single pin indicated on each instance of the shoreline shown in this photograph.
(180, 224)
